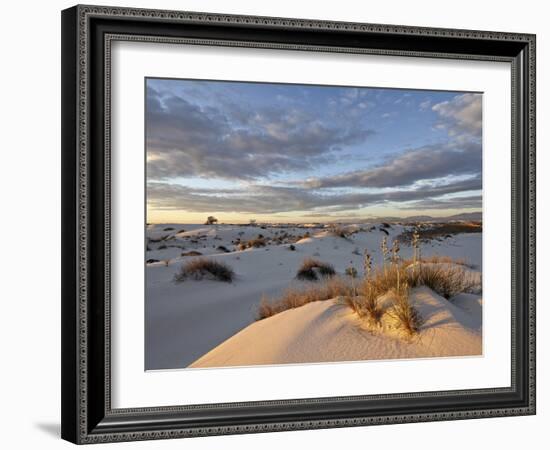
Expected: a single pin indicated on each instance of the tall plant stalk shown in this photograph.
(416, 248)
(395, 259)
(384, 248)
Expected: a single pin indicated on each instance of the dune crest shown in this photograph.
(328, 331)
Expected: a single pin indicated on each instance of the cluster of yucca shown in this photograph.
(391, 279)
(394, 279)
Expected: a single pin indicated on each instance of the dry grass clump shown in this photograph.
(438, 259)
(294, 298)
(191, 253)
(384, 280)
(205, 268)
(372, 305)
(339, 231)
(366, 305)
(258, 242)
(311, 269)
(445, 279)
(406, 315)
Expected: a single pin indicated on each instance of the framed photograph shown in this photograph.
(279, 224)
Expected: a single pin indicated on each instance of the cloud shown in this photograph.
(473, 201)
(232, 142)
(425, 105)
(461, 115)
(260, 137)
(262, 199)
(428, 162)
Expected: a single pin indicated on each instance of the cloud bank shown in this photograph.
(267, 149)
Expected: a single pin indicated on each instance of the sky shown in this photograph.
(244, 151)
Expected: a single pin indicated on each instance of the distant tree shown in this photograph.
(211, 220)
(252, 221)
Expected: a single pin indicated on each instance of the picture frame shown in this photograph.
(87, 413)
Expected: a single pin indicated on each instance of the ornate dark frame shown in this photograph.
(87, 33)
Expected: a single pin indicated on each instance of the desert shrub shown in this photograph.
(181, 247)
(351, 272)
(162, 247)
(311, 269)
(169, 229)
(152, 260)
(441, 231)
(205, 268)
(265, 309)
(222, 248)
(256, 243)
(292, 247)
(294, 298)
(338, 231)
(191, 253)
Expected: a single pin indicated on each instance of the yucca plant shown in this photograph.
(415, 241)
(367, 264)
(384, 249)
(395, 259)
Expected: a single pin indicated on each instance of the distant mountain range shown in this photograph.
(474, 216)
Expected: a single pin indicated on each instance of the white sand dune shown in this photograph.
(185, 321)
(327, 331)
